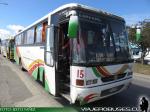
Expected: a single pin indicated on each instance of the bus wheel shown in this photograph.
(43, 80)
(38, 75)
(20, 63)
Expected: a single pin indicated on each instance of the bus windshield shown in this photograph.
(100, 42)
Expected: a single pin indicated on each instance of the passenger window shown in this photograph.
(30, 36)
(44, 31)
(15, 40)
(19, 40)
(39, 34)
(25, 37)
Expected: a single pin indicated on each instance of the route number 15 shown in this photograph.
(80, 73)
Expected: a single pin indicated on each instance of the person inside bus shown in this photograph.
(66, 47)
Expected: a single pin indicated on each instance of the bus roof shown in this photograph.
(73, 5)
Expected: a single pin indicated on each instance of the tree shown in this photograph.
(144, 41)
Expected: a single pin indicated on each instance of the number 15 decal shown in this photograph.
(80, 73)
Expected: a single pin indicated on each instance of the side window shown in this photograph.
(22, 38)
(30, 36)
(25, 37)
(44, 31)
(39, 34)
(16, 40)
(19, 39)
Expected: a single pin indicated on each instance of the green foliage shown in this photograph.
(144, 41)
(146, 35)
(132, 35)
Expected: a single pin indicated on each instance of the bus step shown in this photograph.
(65, 88)
(66, 96)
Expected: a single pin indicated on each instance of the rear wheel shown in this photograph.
(43, 80)
(38, 75)
(21, 66)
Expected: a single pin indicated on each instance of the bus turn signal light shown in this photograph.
(79, 82)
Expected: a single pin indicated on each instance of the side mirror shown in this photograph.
(73, 27)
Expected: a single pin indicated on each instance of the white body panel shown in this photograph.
(81, 92)
(29, 55)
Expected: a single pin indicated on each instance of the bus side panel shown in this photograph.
(16, 55)
(32, 58)
(33, 61)
(50, 79)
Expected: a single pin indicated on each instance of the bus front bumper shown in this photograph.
(90, 94)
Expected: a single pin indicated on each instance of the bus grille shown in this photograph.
(113, 77)
(111, 90)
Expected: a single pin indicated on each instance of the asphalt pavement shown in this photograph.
(18, 89)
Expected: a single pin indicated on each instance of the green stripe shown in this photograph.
(41, 70)
(33, 109)
(46, 86)
(95, 72)
(65, 109)
(35, 73)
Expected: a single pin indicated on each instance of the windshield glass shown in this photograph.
(100, 42)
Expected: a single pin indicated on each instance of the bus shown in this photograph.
(0, 45)
(77, 52)
(10, 49)
(4, 44)
(7, 48)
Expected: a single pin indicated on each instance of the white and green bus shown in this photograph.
(78, 52)
(4, 44)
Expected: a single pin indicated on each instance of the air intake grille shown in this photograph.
(113, 77)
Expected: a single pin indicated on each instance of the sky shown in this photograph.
(18, 14)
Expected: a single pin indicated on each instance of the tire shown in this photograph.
(43, 79)
(20, 63)
(38, 75)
